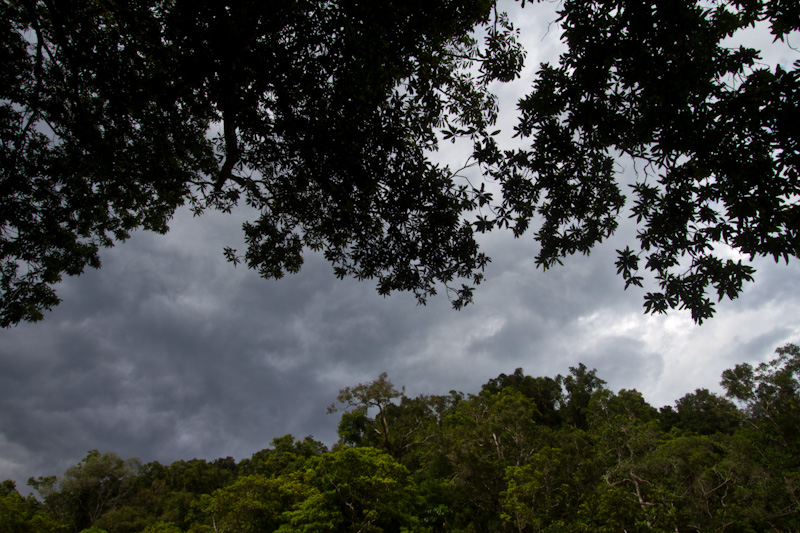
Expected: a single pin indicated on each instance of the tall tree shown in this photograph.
(322, 116)
(377, 395)
(97, 484)
(580, 385)
(319, 115)
(545, 392)
(286, 455)
(24, 515)
(771, 394)
(355, 489)
(711, 132)
(626, 430)
(705, 413)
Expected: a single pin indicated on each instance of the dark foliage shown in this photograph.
(322, 118)
(487, 462)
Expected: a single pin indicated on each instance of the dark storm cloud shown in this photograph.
(168, 352)
(624, 362)
(162, 355)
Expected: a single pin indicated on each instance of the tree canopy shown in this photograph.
(513, 457)
(324, 116)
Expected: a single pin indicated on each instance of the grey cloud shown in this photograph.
(168, 352)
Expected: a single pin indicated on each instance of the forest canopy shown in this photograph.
(524, 454)
(324, 118)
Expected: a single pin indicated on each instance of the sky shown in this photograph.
(168, 352)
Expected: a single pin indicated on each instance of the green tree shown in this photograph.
(769, 439)
(400, 429)
(318, 115)
(322, 118)
(626, 429)
(251, 504)
(711, 133)
(771, 394)
(579, 385)
(162, 527)
(199, 476)
(706, 413)
(547, 492)
(355, 489)
(151, 502)
(97, 484)
(286, 455)
(376, 395)
(484, 435)
(545, 392)
(167, 493)
(24, 515)
(702, 483)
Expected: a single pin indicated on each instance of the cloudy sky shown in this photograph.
(168, 352)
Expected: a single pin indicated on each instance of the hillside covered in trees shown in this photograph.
(525, 453)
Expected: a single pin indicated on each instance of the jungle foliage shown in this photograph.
(525, 454)
(324, 117)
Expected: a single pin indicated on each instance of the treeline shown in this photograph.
(533, 454)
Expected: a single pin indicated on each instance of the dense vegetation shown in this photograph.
(322, 117)
(524, 454)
